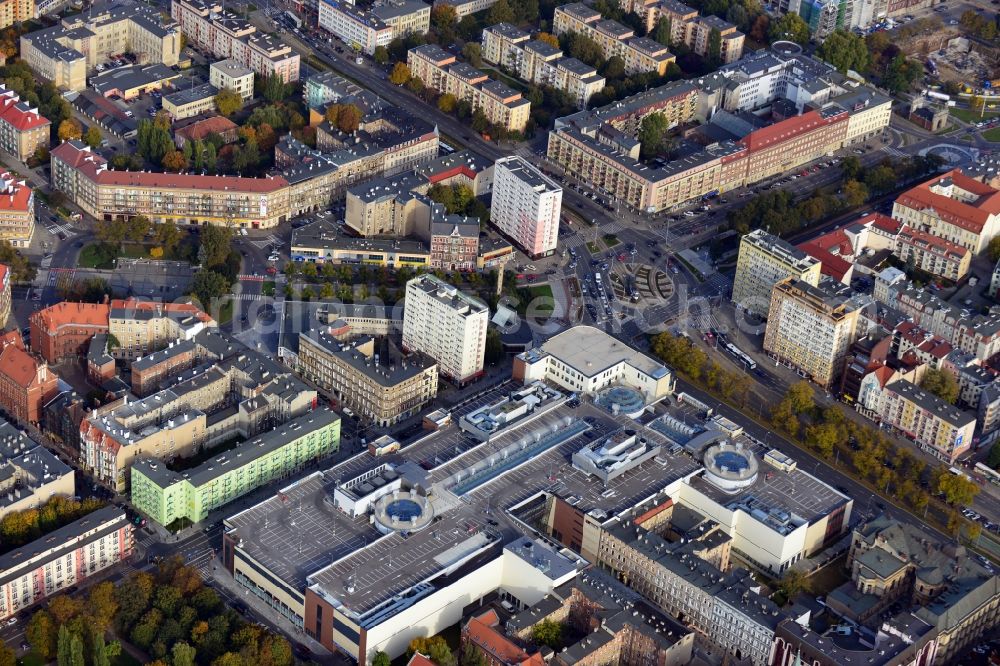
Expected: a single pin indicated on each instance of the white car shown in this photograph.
(273, 257)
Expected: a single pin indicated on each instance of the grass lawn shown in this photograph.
(992, 134)
(96, 255)
(970, 116)
(226, 312)
(268, 288)
(31, 659)
(611, 240)
(593, 247)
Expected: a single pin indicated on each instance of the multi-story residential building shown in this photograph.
(22, 129)
(26, 383)
(948, 589)
(211, 28)
(464, 8)
(16, 11)
(937, 427)
(65, 53)
(952, 206)
(181, 198)
(438, 69)
(232, 75)
(190, 102)
(367, 29)
(935, 255)
(166, 496)
(65, 329)
(64, 558)
(765, 260)
(367, 376)
(5, 294)
(32, 475)
(641, 54)
(587, 360)
(811, 328)
(540, 62)
(695, 31)
(141, 327)
(17, 211)
(525, 206)
(325, 87)
(447, 325)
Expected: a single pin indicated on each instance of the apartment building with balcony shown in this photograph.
(764, 260)
(811, 328)
(211, 28)
(526, 205)
(935, 255)
(68, 52)
(185, 199)
(539, 62)
(937, 427)
(440, 70)
(232, 75)
(367, 29)
(16, 11)
(688, 27)
(22, 129)
(641, 54)
(368, 376)
(17, 210)
(64, 558)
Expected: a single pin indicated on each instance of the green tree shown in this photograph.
(207, 286)
(380, 659)
(228, 102)
(942, 384)
(63, 646)
(548, 632)
(500, 12)
(854, 193)
(793, 582)
(211, 157)
(275, 89)
(98, 648)
(168, 236)
(41, 634)
(7, 656)
(789, 27)
(652, 131)
(851, 167)
(614, 68)
(93, 137)
(473, 52)
(381, 55)
(494, 346)
(901, 74)
(585, 49)
(993, 459)
(662, 32)
(447, 103)
(215, 244)
(76, 651)
(845, 50)
(137, 227)
(714, 47)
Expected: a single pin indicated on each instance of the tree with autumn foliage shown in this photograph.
(70, 129)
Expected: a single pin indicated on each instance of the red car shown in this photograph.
(271, 270)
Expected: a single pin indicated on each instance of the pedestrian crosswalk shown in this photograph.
(895, 152)
(265, 242)
(243, 277)
(250, 297)
(55, 228)
(612, 227)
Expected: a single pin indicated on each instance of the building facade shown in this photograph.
(765, 260)
(26, 383)
(447, 325)
(640, 54)
(695, 31)
(22, 129)
(937, 427)
(526, 206)
(934, 255)
(232, 75)
(367, 29)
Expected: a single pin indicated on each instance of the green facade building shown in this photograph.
(165, 496)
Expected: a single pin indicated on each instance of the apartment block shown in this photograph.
(5, 294)
(166, 496)
(211, 28)
(185, 199)
(17, 211)
(367, 29)
(22, 129)
(937, 427)
(232, 75)
(16, 11)
(324, 87)
(765, 260)
(65, 329)
(811, 328)
(464, 8)
(26, 383)
(954, 207)
(141, 327)
(640, 54)
(539, 62)
(447, 325)
(695, 31)
(368, 376)
(68, 52)
(438, 69)
(935, 255)
(64, 558)
(526, 205)
(190, 102)
(32, 475)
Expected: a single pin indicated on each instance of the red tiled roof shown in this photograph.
(883, 222)
(765, 137)
(419, 660)
(883, 374)
(94, 167)
(56, 316)
(18, 114)
(202, 128)
(831, 264)
(969, 216)
(18, 365)
(136, 305)
(932, 243)
(485, 637)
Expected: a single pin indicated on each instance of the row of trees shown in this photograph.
(460, 200)
(170, 615)
(21, 527)
(874, 55)
(683, 356)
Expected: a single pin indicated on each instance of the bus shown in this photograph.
(741, 356)
(296, 21)
(988, 472)
(957, 472)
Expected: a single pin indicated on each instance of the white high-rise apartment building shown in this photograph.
(526, 206)
(447, 325)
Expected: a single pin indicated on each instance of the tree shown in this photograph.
(714, 47)
(993, 459)
(8, 657)
(473, 52)
(246, 157)
(447, 103)
(167, 236)
(41, 634)
(380, 659)
(854, 193)
(651, 134)
(480, 122)
(215, 243)
(76, 650)
(585, 49)
(614, 68)
(69, 129)
(500, 12)
(548, 38)
(851, 167)
(789, 27)
(845, 50)
(662, 32)
(93, 137)
(381, 55)
(799, 397)
(349, 119)
(211, 157)
(275, 89)
(901, 74)
(174, 161)
(942, 384)
(228, 102)
(957, 490)
(793, 582)
(400, 74)
(208, 286)
(547, 632)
